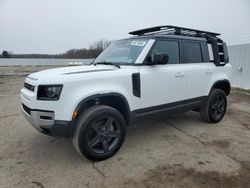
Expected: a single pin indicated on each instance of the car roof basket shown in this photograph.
(169, 29)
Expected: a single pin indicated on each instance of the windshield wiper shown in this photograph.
(108, 63)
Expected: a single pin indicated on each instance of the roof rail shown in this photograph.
(169, 29)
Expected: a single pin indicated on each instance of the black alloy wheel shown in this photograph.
(100, 132)
(218, 107)
(215, 107)
(104, 134)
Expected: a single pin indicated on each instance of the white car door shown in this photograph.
(163, 85)
(199, 69)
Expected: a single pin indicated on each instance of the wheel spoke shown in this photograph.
(213, 107)
(108, 123)
(215, 113)
(221, 110)
(216, 100)
(94, 141)
(103, 134)
(218, 112)
(96, 127)
(219, 99)
(105, 145)
(114, 134)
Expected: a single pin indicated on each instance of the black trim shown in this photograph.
(29, 109)
(215, 49)
(136, 84)
(221, 81)
(26, 109)
(88, 71)
(46, 117)
(96, 96)
(170, 108)
(29, 87)
(60, 129)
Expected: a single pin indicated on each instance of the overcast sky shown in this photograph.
(54, 26)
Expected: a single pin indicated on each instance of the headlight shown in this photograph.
(49, 92)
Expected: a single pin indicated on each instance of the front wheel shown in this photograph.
(216, 106)
(100, 132)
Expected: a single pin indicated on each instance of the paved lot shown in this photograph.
(181, 151)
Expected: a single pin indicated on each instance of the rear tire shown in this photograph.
(216, 106)
(100, 133)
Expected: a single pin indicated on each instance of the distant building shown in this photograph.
(240, 59)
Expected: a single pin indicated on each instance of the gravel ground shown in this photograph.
(181, 151)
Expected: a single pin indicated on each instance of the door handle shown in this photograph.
(179, 74)
(208, 72)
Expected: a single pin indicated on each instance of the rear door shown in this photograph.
(199, 69)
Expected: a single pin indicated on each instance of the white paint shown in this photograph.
(160, 84)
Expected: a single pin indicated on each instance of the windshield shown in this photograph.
(122, 52)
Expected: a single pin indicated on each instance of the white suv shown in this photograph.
(158, 72)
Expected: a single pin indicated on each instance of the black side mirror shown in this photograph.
(161, 58)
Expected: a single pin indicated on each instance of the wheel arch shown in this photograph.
(115, 100)
(222, 84)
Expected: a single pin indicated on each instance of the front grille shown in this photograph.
(26, 109)
(29, 87)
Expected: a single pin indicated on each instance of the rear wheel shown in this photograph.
(216, 106)
(100, 133)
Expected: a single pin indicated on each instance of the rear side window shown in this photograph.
(192, 52)
(210, 51)
(170, 47)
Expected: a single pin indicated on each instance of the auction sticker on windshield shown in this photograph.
(138, 43)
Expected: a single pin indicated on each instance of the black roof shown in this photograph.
(174, 30)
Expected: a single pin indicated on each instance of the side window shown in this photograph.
(192, 52)
(210, 51)
(170, 47)
(205, 52)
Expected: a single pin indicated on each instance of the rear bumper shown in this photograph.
(44, 122)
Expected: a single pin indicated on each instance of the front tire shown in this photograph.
(216, 106)
(100, 132)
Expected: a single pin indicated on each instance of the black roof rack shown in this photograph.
(169, 29)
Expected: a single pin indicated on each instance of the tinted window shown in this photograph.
(170, 47)
(205, 52)
(192, 52)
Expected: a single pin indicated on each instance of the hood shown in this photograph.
(58, 72)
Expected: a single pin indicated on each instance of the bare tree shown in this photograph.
(100, 44)
(5, 54)
(92, 52)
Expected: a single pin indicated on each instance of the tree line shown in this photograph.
(85, 53)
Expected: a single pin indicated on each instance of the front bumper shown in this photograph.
(44, 121)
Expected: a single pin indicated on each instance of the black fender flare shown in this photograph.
(220, 81)
(111, 94)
